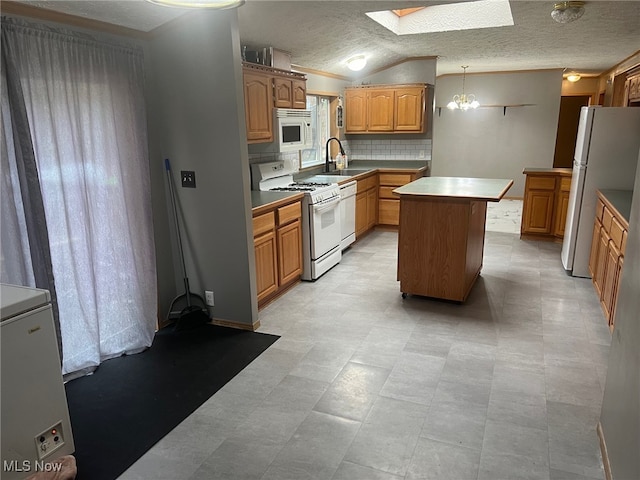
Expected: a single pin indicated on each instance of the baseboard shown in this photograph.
(604, 453)
(238, 325)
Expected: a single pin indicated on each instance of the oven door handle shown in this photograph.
(326, 205)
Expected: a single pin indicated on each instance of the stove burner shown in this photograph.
(313, 184)
(292, 188)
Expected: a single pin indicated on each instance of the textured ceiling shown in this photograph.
(321, 35)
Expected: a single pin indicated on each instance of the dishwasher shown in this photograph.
(347, 214)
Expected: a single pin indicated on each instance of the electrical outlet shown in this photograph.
(421, 154)
(188, 178)
(208, 295)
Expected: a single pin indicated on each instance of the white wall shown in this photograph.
(196, 119)
(485, 142)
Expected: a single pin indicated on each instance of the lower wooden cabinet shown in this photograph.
(388, 203)
(607, 255)
(366, 204)
(546, 200)
(277, 239)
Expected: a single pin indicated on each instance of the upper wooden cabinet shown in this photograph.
(258, 102)
(632, 89)
(266, 88)
(385, 109)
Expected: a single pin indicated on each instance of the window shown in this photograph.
(319, 107)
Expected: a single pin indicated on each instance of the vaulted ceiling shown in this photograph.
(321, 35)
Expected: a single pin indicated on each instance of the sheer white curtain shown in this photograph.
(85, 106)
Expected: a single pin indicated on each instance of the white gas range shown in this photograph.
(320, 214)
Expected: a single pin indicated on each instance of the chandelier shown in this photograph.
(565, 12)
(212, 4)
(463, 101)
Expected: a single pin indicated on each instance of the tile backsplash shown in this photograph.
(388, 149)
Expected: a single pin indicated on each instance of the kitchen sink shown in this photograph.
(348, 172)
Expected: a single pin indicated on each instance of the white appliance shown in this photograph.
(348, 213)
(35, 418)
(320, 214)
(606, 156)
(292, 129)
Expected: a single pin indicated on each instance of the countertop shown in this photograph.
(489, 189)
(555, 171)
(272, 199)
(267, 200)
(620, 200)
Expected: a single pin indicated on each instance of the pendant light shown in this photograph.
(463, 101)
(210, 4)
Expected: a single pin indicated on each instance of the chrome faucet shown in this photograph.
(327, 158)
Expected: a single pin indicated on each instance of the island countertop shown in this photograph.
(488, 189)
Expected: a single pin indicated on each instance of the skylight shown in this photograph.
(446, 18)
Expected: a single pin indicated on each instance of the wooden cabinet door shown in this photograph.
(361, 213)
(409, 109)
(372, 207)
(612, 317)
(289, 252)
(610, 279)
(282, 92)
(355, 110)
(562, 205)
(595, 244)
(538, 211)
(299, 93)
(601, 262)
(380, 106)
(266, 264)
(388, 211)
(257, 104)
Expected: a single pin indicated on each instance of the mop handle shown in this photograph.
(177, 221)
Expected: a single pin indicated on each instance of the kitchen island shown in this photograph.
(441, 234)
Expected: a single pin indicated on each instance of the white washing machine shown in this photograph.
(35, 417)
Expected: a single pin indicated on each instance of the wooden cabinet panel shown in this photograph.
(299, 89)
(356, 110)
(289, 252)
(282, 92)
(388, 211)
(387, 192)
(562, 205)
(394, 179)
(277, 238)
(409, 109)
(616, 232)
(361, 213)
(601, 262)
(538, 211)
(257, 105)
(386, 109)
(266, 264)
(380, 110)
(546, 201)
(595, 244)
(610, 280)
(372, 207)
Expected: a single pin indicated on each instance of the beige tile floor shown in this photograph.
(365, 385)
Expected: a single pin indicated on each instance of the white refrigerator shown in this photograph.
(606, 157)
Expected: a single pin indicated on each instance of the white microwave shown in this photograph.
(292, 129)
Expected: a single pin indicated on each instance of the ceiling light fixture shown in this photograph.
(211, 4)
(357, 63)
(565, 12)
(463, 101)
(573, 77)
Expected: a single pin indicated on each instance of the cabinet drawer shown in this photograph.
(565, 184)
(394, 179)
(607, 218)
(541, 183)
(289, 213)
(387, 192)
(263, 223)
(366, 183)
(616, 232)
